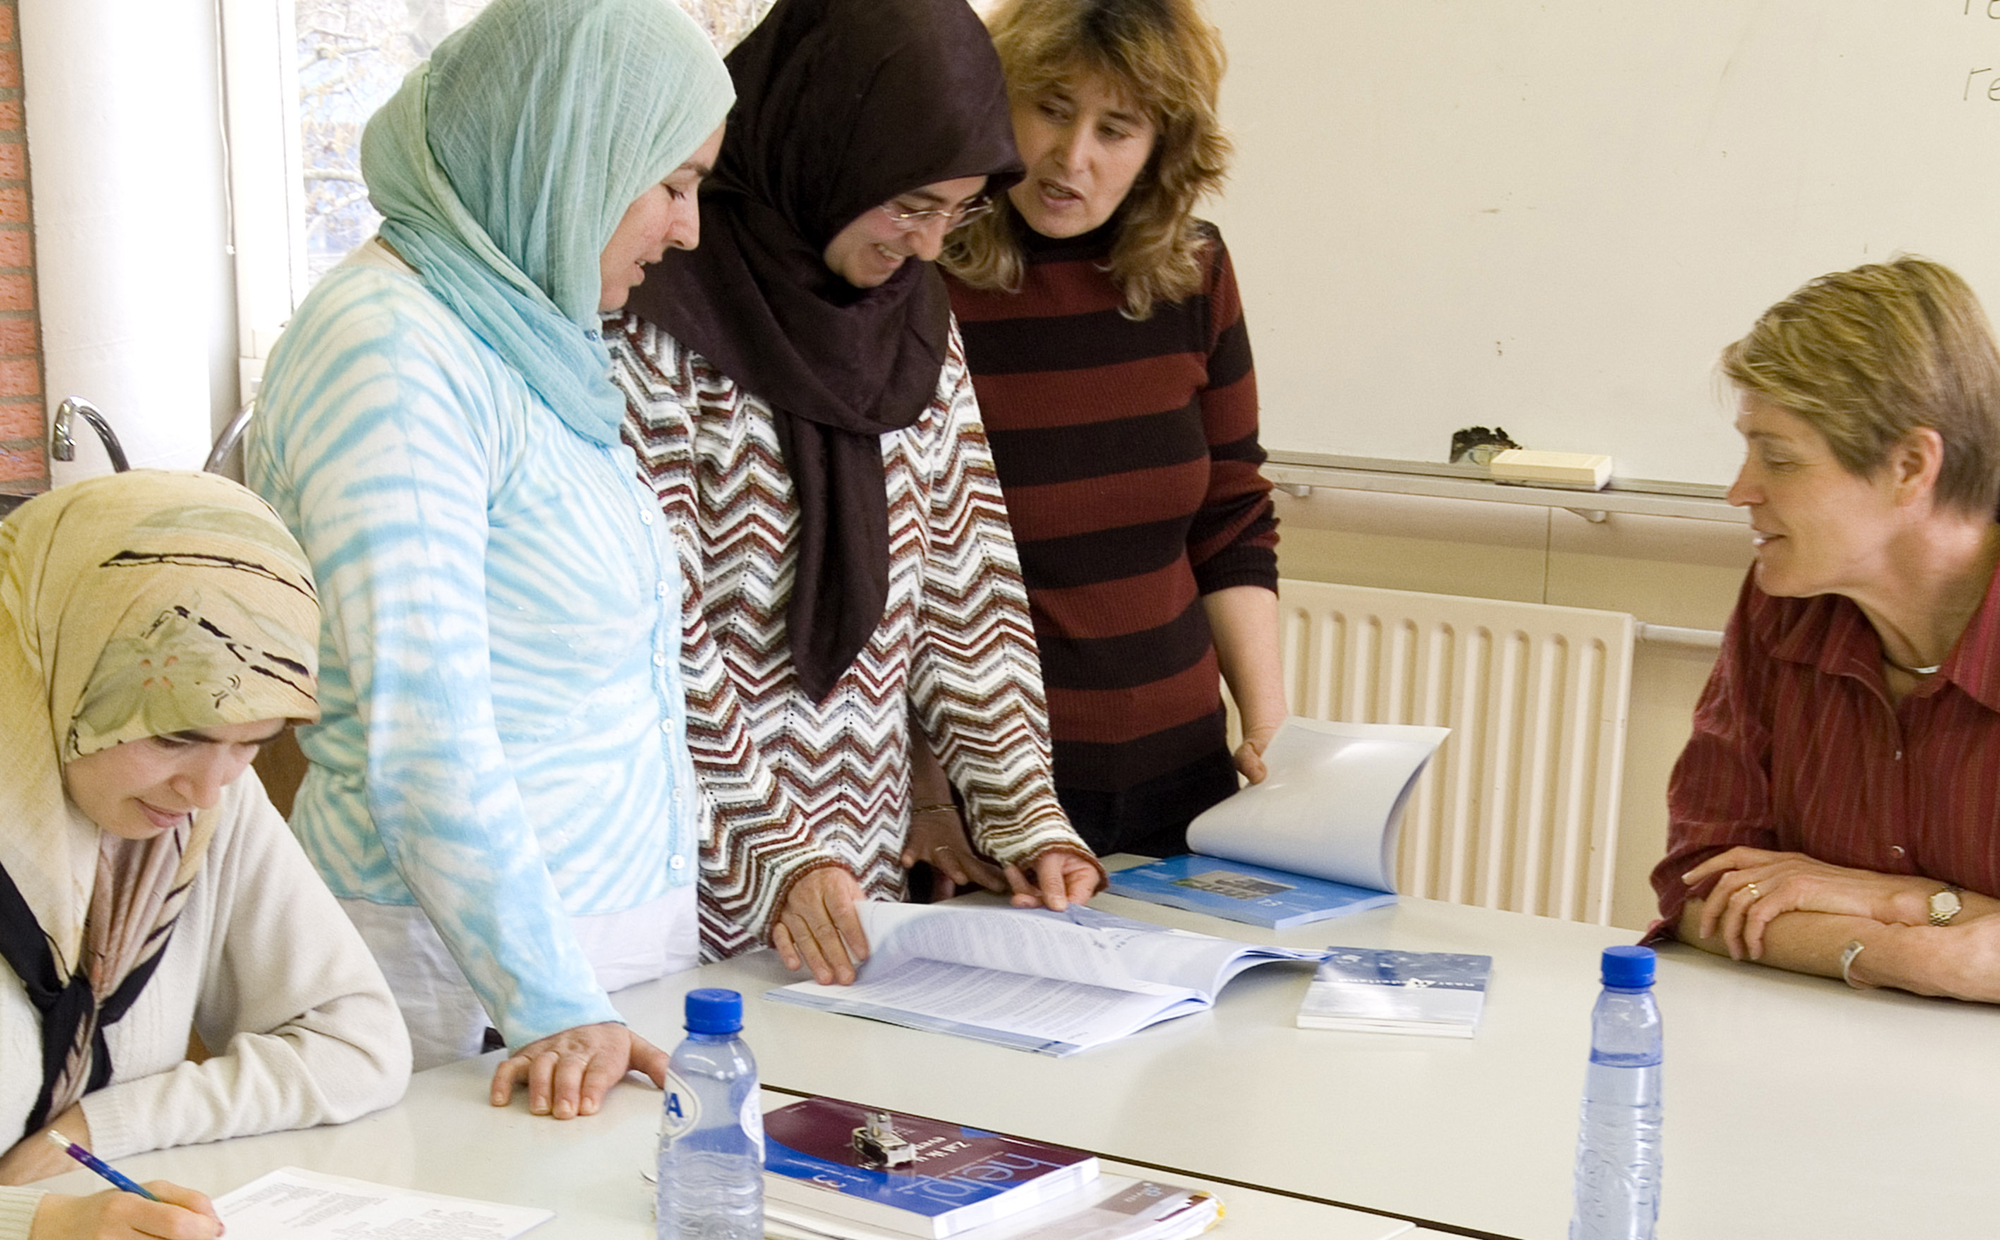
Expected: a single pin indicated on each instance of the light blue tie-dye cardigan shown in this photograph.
(503, 739)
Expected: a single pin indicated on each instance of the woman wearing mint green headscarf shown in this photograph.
(499, 790)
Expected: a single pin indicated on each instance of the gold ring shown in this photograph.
(1752, 889)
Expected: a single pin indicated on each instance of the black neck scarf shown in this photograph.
(65, 1007)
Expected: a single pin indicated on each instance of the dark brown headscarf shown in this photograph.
(840, 106)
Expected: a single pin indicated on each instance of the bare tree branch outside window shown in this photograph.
(352, 56)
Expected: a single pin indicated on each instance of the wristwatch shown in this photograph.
(1944, 906)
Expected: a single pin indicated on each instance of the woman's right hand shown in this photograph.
(179, 1214)
(819, 928)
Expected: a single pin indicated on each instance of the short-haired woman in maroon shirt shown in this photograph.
(1837, 810)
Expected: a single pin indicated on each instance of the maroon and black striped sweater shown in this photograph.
(1128, 454)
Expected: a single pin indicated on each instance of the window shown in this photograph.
(352, 55)
(302, 78)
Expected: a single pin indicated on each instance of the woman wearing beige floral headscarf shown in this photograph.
(155, 630)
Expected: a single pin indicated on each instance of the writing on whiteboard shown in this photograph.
(1989, 86)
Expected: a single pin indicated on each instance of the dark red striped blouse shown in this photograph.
(1797, 747)
(1128, 454)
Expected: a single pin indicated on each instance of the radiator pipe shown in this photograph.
(1673, 635)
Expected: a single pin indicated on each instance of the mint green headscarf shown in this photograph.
(503, 164)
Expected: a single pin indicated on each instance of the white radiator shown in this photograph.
(1519, 810)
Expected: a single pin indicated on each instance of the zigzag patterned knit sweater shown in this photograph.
(788, 784)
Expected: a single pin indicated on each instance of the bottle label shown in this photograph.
(683, 1107)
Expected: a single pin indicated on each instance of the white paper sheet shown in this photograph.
(291, 1204)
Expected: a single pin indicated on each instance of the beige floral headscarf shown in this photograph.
(135, 605)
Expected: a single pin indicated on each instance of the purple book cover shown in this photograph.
(960, 1177)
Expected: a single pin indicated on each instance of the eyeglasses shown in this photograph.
(953, 217)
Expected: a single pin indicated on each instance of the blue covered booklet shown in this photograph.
(1316, 839)
(1255, 894)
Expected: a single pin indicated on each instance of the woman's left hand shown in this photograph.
(35, 1157)
(1062, 876)
(1250, 754)
(568, 1073)
(1757, 885)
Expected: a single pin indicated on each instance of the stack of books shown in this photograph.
(1369, 990)
(835, 1170)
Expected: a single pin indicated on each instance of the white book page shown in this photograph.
(1391, 1003)
(1083, 945)
(973, 1001)
(1182, 958)
(1007, 939)
(291, 1204)
(1330, 806)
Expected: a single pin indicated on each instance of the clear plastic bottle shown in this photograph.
(712, 1135)
(1618, 1147)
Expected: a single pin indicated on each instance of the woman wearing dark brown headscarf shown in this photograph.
(798, 395)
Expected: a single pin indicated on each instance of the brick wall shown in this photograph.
(23, 467)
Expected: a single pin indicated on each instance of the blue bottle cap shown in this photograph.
(1625, 968)
(718, 1011)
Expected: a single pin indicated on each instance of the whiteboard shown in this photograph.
(1551, 215)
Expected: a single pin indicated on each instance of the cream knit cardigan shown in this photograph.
(267, 969)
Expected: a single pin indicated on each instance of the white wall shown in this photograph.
(124, 135)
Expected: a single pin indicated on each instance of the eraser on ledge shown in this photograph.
(1580, 470)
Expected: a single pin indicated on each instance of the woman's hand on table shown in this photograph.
(1755, 885)
(819, 929)
(1063, 876)
(937, 838)
(568, 1073)
(179, 1214)
(35, 1157)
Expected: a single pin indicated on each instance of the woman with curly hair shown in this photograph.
(1107, 346)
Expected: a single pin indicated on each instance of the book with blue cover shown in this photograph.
(944, 1179)
(1315, 839)
(1374, 990)
(1238, 891)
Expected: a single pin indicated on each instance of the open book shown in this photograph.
(1028, 978)
(1316, 839)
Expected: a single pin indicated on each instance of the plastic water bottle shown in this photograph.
(712, 1136)
(1618, 1148)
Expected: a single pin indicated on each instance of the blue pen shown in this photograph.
(105, 1169)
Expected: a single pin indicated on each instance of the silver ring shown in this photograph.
(1754, 893)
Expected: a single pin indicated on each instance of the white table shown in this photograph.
(444, 1138)
(1794, 1107)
